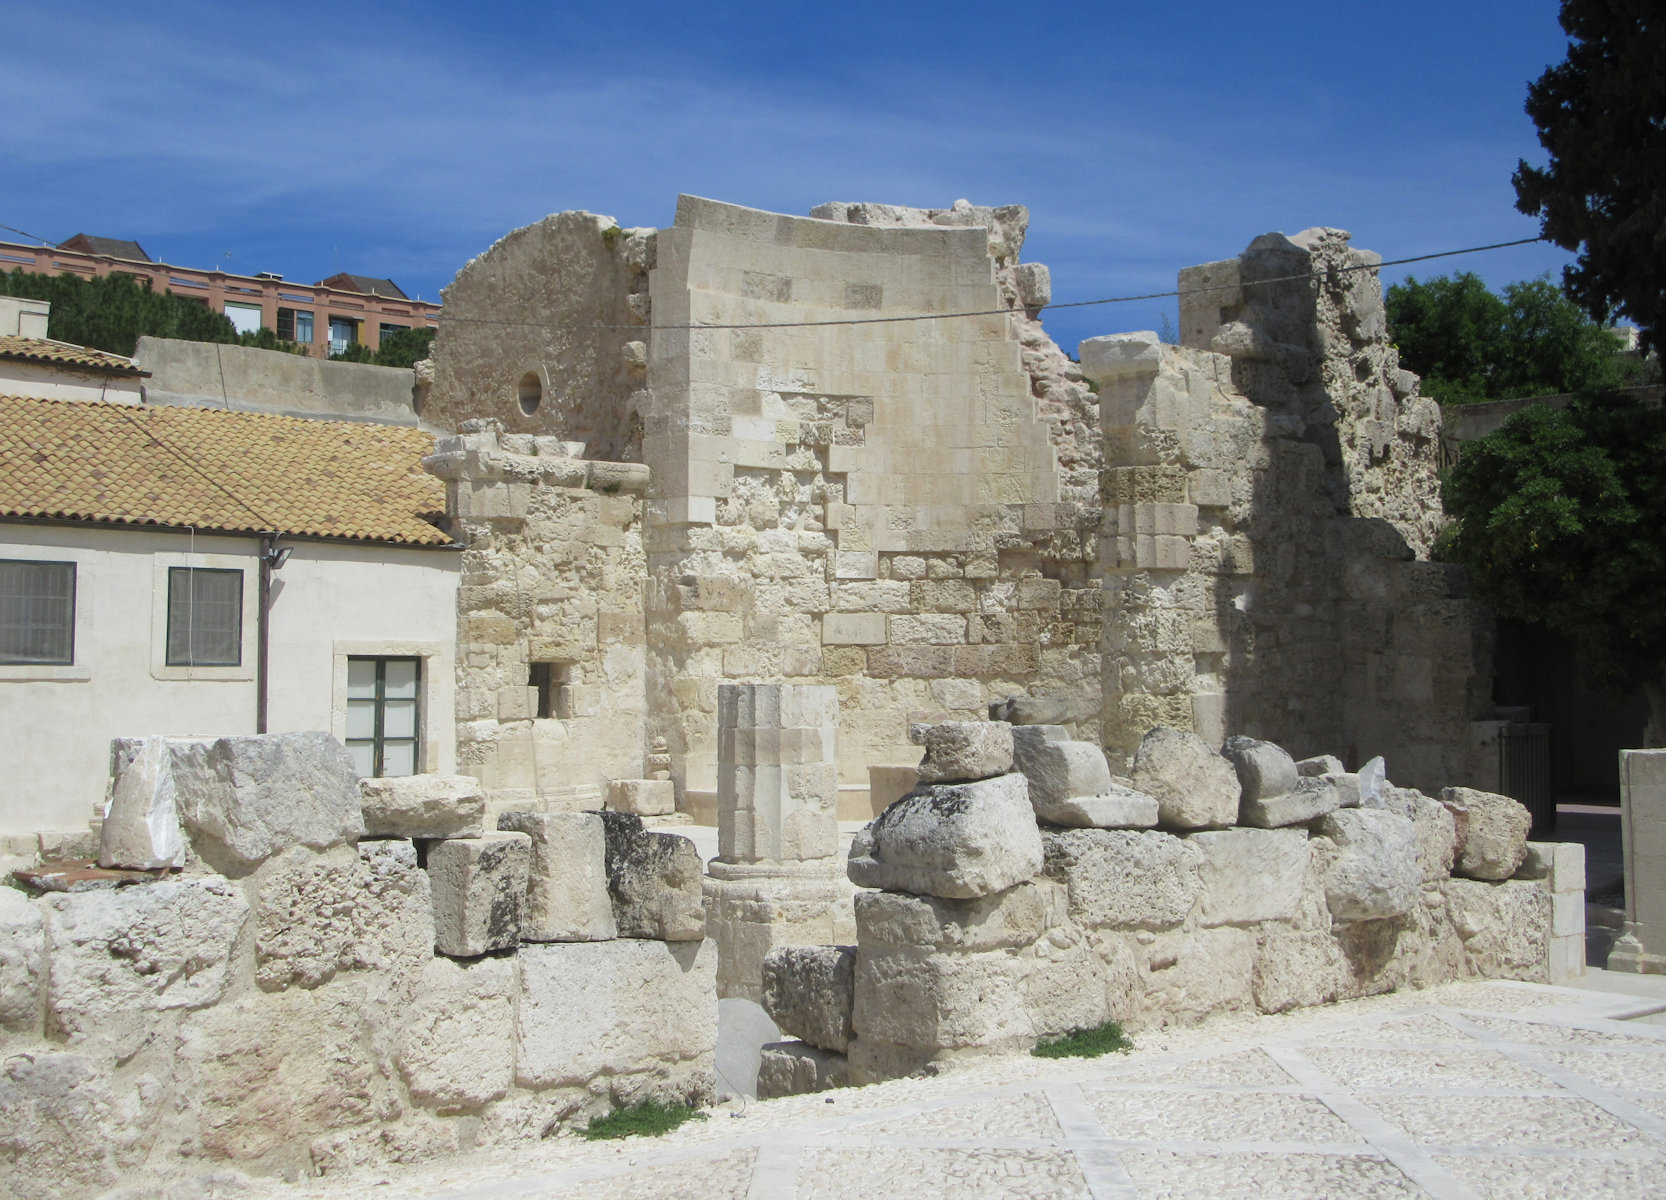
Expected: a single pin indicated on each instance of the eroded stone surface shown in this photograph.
(1125, 880)
(22, 961)
(567, 898)
(955, 840)
(809, 991)
(67, 1126)
(797, 1069)
(958, 751)
(423, 806)
(1378, 871)
(1311, 798)
(1437, 830)
(141, 827)
(1195, 788)
(479, 886)
(1014, 918)
(1495, 837)
(655, 880)
(1264, 770)
(457, 1047)
(1250, 875)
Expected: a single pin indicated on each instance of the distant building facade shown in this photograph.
(327, 316)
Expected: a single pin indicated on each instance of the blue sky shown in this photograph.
(401, 139)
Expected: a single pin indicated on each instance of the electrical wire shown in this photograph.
(990, 312)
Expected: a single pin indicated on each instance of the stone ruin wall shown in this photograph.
(337, 978)
(554, 572)
(905, 511)
(1271, 499)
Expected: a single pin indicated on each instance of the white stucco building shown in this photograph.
(140, 549)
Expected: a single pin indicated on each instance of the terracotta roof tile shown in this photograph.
(212, 469)
(63, 354)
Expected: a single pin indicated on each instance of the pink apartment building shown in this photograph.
(327, 316)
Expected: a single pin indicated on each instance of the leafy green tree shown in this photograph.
(1560, 520)
(264, 339)
(112, 312)
(405, 348)
(1470, 344)
(1601, 116)
(356, 352)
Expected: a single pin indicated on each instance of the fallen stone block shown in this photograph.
(799, 1069)
(457, 1047)
(119, 958)
(1264, 770)
(1505, 926)
(656, 881)
(1194, 787)
(1116, 808)
(929, 1001)
(1250, 875)
(479, 887)
(750, 916)
(1378, 872)
(1011, 919)
(1495, 838)
(423, 806)
(567, 899)
(1320, 764)
(958, 751)
(244, 799)
(1125, 880)
(955, 840)
(593, 1011)
(644, 797)
(809, 992)
(141, 826)
(1437, 830)
(1310, 799)
(1041, 710)
(1070, 783)
(22, 962)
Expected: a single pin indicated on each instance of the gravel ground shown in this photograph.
(1473, 1090)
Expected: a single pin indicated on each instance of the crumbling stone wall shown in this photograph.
(875, 506)
(1271, 499)
(553, 577)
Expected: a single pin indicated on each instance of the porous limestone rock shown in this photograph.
(655, 881)
(955, 840)
(1187, 975)
(958, 751)
(1042, 710)
(1011, 919)
(1437, 829)
(1264, 770)
(750, 916)
(479, 887)
(66, 1126)
(244, 799)
(118, 957)
(1250, 875)
(1311, 798)
(927, 1001)
(316, 916)
(22, 961)
(1125, 879)
(1378, 872)
(423, 806)
(1195, 788)
(1495, 839)
(809, 991)
(1070, 783)
(141, 830)
(1320, 764)
(593, 1011)
(566, 898)
(457, 1047)
(798, 1069)
(1295, 969)
(644, 797)
(1504, 926)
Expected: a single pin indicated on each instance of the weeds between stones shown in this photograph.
(1084, 1043)
(648, 1118)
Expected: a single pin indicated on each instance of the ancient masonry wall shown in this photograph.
(551, 664)
(1270, 503)
(314, 991)
(873, 506)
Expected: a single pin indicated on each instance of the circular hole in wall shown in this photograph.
(531, 392)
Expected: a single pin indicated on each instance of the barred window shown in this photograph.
(37, 612)
(205, 617)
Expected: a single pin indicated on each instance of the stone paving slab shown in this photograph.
(1467, 1092)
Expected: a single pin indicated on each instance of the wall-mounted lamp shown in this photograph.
(276, 556)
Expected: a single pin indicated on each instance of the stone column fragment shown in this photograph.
(1642, 947)
(777, 773)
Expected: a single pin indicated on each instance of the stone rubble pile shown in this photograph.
(343, 972)
(1021, 891)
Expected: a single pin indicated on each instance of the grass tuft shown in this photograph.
(1084, 1043)
(648, 1118)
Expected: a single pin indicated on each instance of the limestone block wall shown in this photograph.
(550, 642)
(563, 301)
(1270, 501)
(873, 506)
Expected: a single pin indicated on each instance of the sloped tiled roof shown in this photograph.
(62, 354)
(213, 469)
(370, 285)
(86, 243)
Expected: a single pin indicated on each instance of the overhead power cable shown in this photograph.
(34, 237)
(987, 312)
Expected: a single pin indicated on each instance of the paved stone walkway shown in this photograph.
(1472, 1090)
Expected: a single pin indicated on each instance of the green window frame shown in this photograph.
(384, 715)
